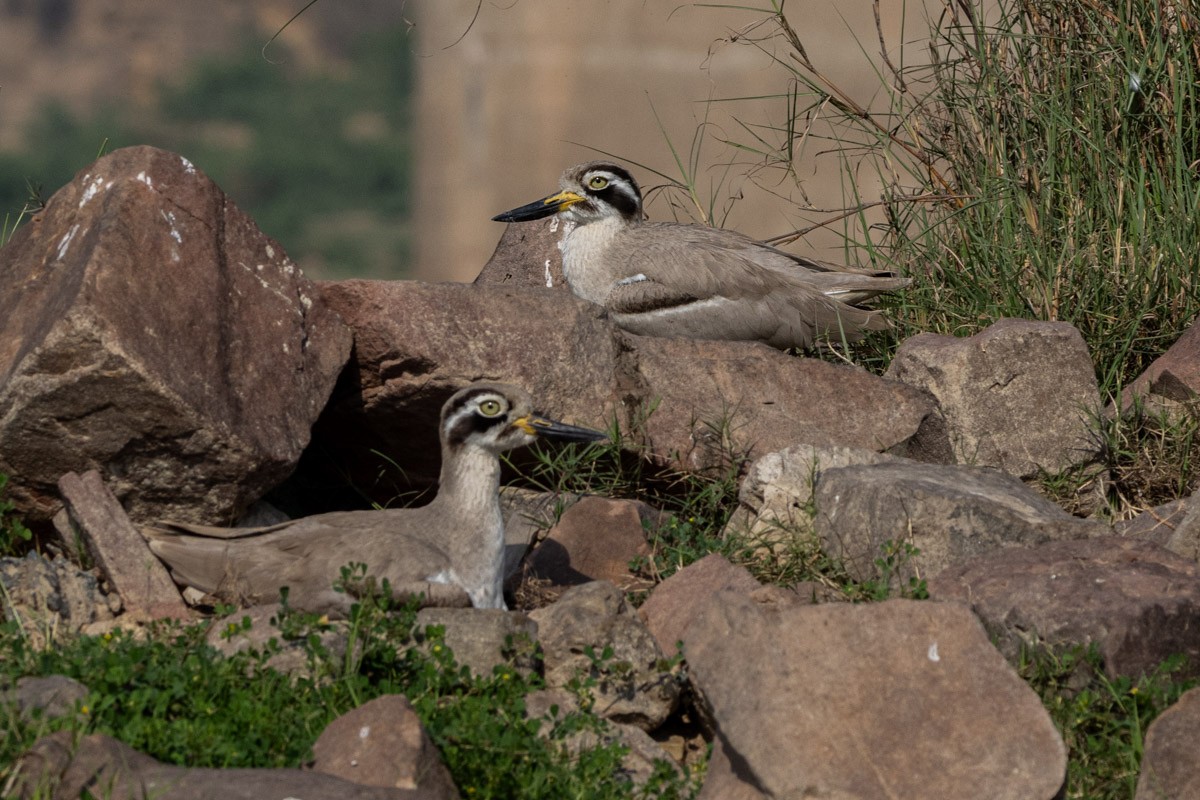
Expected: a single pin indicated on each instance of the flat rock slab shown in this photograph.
(674, 603)
(1019, 396)
(948, 513)
(149, 330)
(1170, 768)
(1138, 602)
(73, 771)
(887, 700)
(141, 580)
(703, 400)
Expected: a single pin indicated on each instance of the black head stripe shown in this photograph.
(462, 419)
(622, 192)
(618, 196)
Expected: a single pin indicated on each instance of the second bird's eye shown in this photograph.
(489, 408)
(598, 182)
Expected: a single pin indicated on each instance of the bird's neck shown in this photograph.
(584, 246)
(469, 503)
(469, 481)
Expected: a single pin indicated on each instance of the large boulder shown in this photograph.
(869, 513)
(1137, 602)
(893, 699)
(1020, 396)
(705, 401)
(686, 403)
(148, 329)
(415, 344)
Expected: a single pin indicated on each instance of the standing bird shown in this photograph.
(679, 279)
(455, 541)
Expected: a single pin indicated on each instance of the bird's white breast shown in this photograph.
(588, 258)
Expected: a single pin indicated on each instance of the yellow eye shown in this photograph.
(598, 182)
(489, 408)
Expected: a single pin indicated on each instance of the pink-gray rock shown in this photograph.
(885, 700)
(675, 602)
(1184, 530)
(527, 255)
(56, 769)
(633, 686)
(1157, 524)
(775, 498)
(141, 580)
(711, 399)
(418, 343)
(149, 330)
(595, 540)
(1138, 602)
(693, 404)
(383, 743)
(1172, 380)
(1019, 396)
(1169, 766)
(948, 513)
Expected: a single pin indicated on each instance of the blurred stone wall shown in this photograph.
(532, 85)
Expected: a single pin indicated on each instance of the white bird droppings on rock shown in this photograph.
(65, 243)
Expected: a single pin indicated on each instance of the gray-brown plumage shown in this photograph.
(455, 544)
(678, 279)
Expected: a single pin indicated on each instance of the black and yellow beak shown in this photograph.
(536, 425)
(538, 209)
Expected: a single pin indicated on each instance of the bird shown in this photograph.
(695, 281)
(454, 544)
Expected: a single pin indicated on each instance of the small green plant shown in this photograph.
(14, 536)
(1103, 721)
(168, 694)
(894, 560)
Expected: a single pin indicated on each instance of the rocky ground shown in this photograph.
(162, 358)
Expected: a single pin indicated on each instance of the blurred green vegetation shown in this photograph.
(321, 161)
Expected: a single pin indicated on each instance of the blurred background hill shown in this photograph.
(376, 138)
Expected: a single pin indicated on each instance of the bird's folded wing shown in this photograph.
(168, 527)
(644, 296)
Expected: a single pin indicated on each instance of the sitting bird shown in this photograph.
(452, 545)
(680, 279)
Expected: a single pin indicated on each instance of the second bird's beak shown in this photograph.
(536, 425)
(538, 209)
